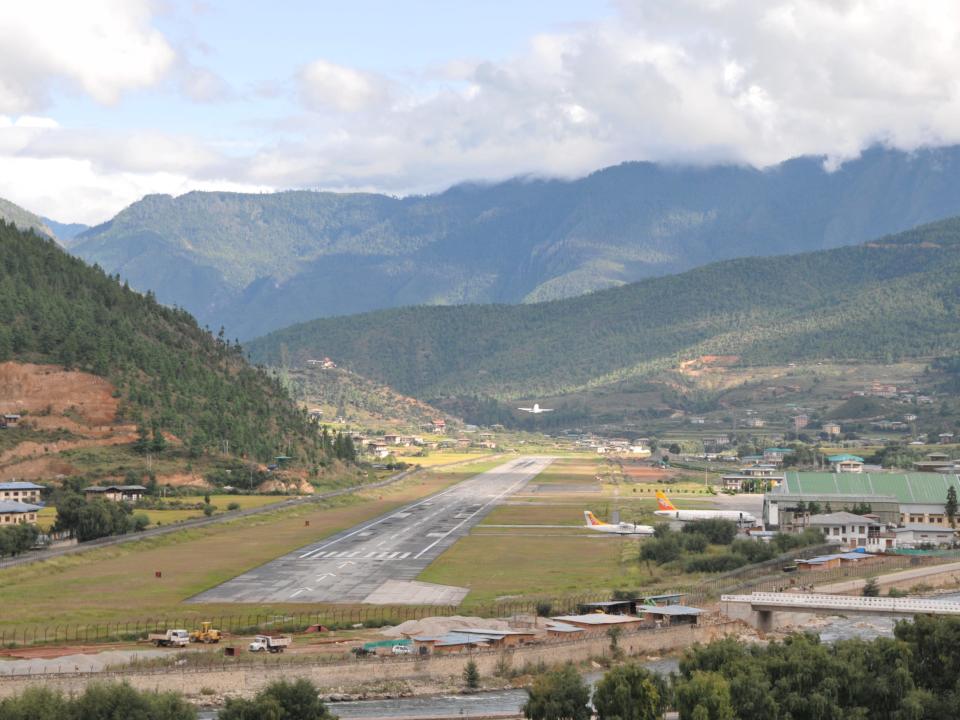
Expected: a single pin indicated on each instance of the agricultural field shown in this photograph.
(440, 458)
(85, 588)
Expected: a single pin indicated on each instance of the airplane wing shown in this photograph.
(526, 409)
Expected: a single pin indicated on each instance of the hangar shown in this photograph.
(895, 498)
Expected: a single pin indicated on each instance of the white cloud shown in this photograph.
(754, 81)
(325, 85)
(100, 47)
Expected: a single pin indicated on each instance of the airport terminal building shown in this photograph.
(895, 498)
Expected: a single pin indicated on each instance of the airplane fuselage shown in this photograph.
(737, 516)
(623, 529)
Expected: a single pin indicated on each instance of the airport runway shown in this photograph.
(367, 561)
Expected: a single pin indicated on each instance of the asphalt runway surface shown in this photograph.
(350, 566)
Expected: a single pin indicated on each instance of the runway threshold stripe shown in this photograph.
(404, 556)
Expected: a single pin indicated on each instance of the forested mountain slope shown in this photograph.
(895, 297)
(168, 373)
(259, 262)
(23, 219)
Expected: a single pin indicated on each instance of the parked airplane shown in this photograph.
(536, 409)
(668, 510)
(623, 528)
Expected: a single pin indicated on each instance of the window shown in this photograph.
(863, 530)
(836, 531)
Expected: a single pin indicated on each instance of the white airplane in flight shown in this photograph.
(623, 528)
(668, 510)
(536, 409)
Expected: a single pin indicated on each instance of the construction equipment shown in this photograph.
(270, 644)
(206, 634)
(169, 638)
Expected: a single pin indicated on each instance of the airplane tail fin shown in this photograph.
(663, 502)
(591, 518)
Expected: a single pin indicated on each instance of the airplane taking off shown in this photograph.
(536, 409)
(623, 528)
(668, 510)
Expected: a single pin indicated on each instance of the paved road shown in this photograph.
(350, 566)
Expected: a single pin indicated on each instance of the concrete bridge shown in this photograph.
(767, 611)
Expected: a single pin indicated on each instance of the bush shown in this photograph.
(208, 509)
(544, 608)
(662, 550)
(297, 700)
(140, 522)
(98, 702)
(471, 675)
(716, 563)
(233, 506)
(17, 539)
(717, 532)
(871, 588)
(694, 542)
(753, 550)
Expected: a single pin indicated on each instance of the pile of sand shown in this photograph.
(441, 625)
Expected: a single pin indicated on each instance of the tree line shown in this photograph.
(912, 676)
(295, 700)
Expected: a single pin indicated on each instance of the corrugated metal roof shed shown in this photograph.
(673, 610)
(909, 488)
(20, 485)
(597, 619)
(15, 506)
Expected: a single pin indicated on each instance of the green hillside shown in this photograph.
(170, 374)
(23, 219)
(259, 262)
(896, 297)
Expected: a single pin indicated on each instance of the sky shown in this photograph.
(104, 101)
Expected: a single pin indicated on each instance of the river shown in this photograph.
(508, 703)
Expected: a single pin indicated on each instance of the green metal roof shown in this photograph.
(844, 458)
(910, 488)
(777, 450)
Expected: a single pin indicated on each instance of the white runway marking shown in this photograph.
(460, 524)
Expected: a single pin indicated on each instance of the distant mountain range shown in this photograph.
(895, 297)
(64, 233)
(255, 263)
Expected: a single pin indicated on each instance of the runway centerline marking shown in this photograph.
(460, 524)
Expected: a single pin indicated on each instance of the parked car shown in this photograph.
(401, 650)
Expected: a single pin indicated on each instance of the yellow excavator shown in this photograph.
(206, 634)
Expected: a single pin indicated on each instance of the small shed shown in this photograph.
(599, 622)
(563, 630)
(668, 615)
(613, 607)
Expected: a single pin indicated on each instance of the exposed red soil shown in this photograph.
(37, 388)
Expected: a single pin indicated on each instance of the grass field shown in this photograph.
(118, 584)
(498, 562)
(47, 516)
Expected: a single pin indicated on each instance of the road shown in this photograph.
(377, 560)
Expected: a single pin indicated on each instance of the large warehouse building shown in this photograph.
(897, 498)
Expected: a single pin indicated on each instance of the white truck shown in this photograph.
(270, 644)
(170, 638)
